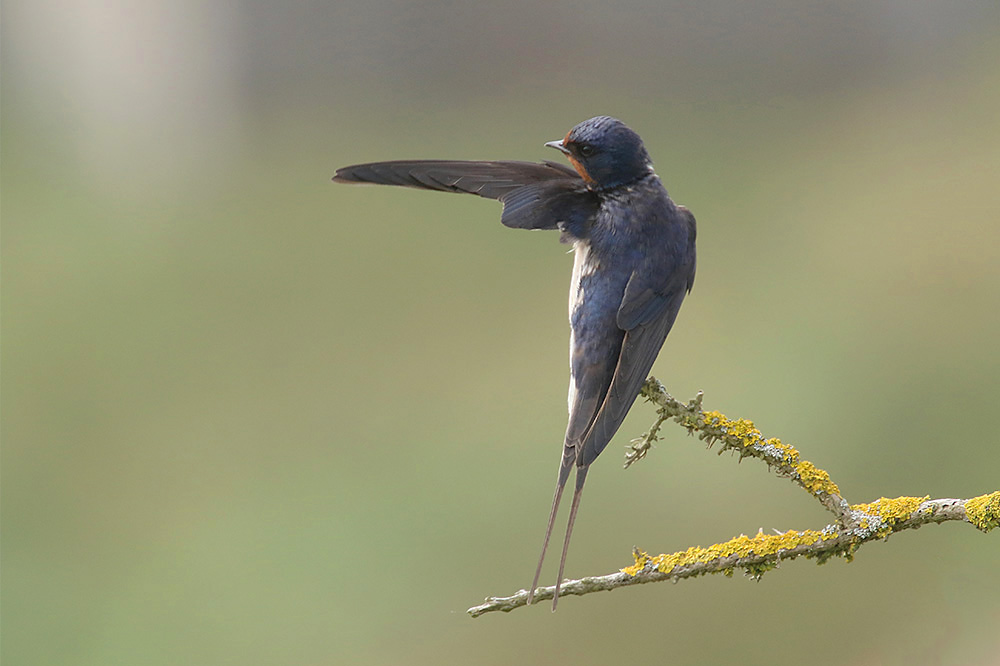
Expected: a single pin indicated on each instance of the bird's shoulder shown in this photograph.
(665, 257)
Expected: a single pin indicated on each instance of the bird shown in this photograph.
(634, 263)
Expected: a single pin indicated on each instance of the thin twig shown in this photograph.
(742, 436)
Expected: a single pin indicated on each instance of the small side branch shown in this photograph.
(742, 436)
(855, 525)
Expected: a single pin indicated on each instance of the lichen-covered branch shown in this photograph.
(738, 435)
(855, 525)
(762, 552)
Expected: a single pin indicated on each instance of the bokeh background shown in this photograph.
(253, 417)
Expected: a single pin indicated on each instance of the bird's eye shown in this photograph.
(586, 150)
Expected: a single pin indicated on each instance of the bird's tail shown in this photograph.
(568, 459)
(568, 462)
(581, 477)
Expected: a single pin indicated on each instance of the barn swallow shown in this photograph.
(634, 263)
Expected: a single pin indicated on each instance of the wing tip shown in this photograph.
(346, 175)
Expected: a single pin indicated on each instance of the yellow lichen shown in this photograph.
(742, 430)
(641, 558)
(816, 480)
(888, 512)
(711, 417)
(891, 510)
(742, 433)
(984, 511)
(761, 545)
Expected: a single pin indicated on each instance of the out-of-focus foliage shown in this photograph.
(252, 417)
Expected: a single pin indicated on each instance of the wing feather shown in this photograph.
(650, 304)
(486, 179)
(639, 350)
(535, 196)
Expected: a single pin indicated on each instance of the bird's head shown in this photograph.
(605, 153)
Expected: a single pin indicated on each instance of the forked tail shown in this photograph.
(568, 462)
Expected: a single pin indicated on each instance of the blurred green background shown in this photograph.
(252, 417)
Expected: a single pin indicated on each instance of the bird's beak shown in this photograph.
(558, 145)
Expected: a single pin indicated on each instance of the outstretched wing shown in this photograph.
(535, 196)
